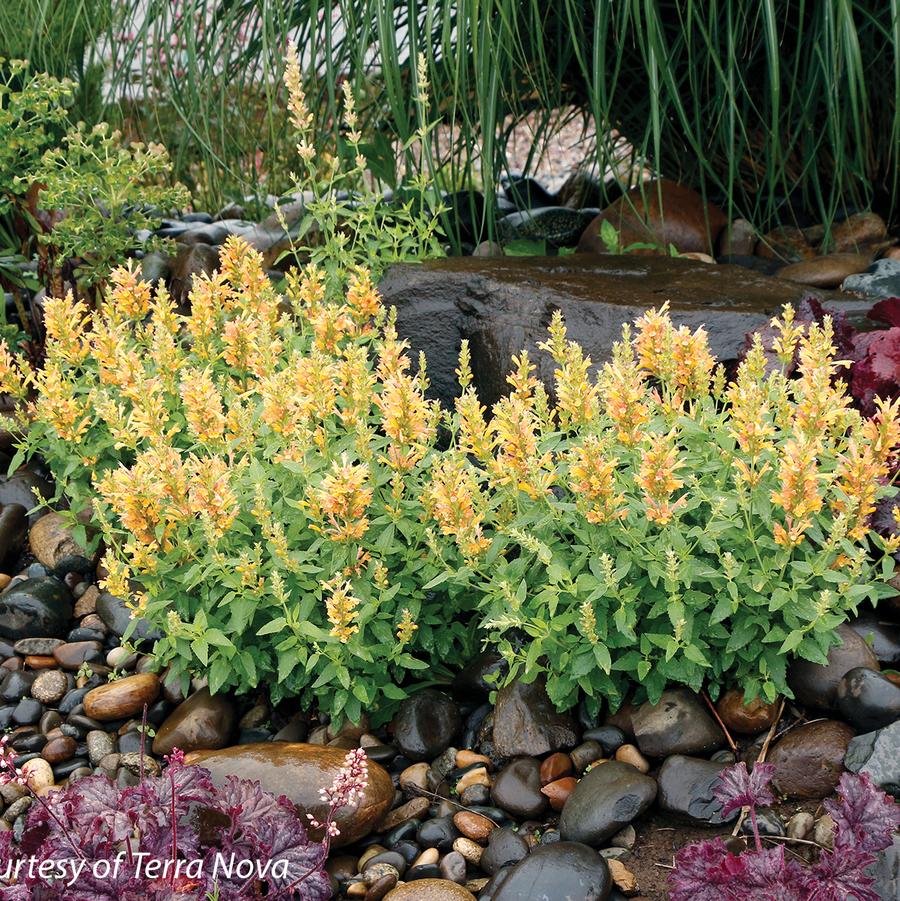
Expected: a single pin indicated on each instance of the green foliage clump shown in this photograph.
(107, 192)
(655, 526)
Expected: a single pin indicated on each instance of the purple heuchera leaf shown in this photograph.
(97, 820)
(887, 311)
(737, 788)
(864, 817)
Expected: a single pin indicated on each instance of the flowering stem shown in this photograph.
(755, 828)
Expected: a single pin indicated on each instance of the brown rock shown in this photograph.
(748, 719)
(786, 243)
(72, 654)
(87, 603)
(466, 758)
(191, 261)
(809, 759)
(624, 879)
(299, 771)
(52, 542)
(429, 890)
(477, 776)
(558, 792)
(816, 684)
(417, 807)
(737, 240)
(474, 825)
(858, 229)
(204, 722)
(630, 754)
(826, 271)
(122, 698)
(555, 767)
(527, 724)
(660, 212)
(59, 749)
(40, 661)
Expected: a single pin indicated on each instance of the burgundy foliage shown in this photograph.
(864, 819)
(178, 816)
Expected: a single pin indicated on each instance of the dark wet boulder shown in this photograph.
(504, 305)
(35, 608)
(553, 872)
(686, 787)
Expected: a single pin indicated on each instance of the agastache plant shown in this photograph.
(172, 837)
(864, 822)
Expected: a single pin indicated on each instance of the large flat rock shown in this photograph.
(504, 305)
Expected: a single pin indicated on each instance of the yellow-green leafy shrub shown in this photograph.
(656, 525)
(257, 466)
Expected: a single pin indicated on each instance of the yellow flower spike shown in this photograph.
(821, 406)
(406, 628)
(623, 391)
(693, 363)
(203, 407)
(454, 500)
(592, 479)
(656, 477)
(341, 501)
(128, 298)
(58, 404)
(210, 494)
(653, 343)
(65, 323)
(208, 299)
(15, 373)
(789, 335)
(576, 397)
(340, 607)
(798, 495)
(588, 622)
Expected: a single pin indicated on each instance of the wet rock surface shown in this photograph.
(553, 872)
(299, 771)
(426, 724)
(526, 724)
(35, 608)
(503, 305)
(678, 724)
(608, 798)
(877, 754)
(809, 759)
(816, 684)
(686, 789)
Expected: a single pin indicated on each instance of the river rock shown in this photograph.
(815, 684)
(787, 243)
(826, 271)
(426, 724)
(50, 686)
(663, 213)
(809, 760)
(504, 847)
(877, 754)
(686, 789)
(118, 617)
(517, 789)
(868, 699)
(881, 280)
(886, 871)
(503, 305)
(35, 608)
(13, 530)
(558, 226)
(858, 230)
(564, 870)
(203, 722)
(26, 488)
(53, 543)
(526, 724)
(882, 635)
(122, 698)
(678, 724)
(608, 798)
(299, 771)
(749, 718)
(190, 262)
(429, 890)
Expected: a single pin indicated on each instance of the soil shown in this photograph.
(660, 837)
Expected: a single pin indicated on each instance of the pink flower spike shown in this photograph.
(737, 788)
(176, 758)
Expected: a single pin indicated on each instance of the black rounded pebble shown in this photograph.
(439, 833)
(610, 738)
(28, 712)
